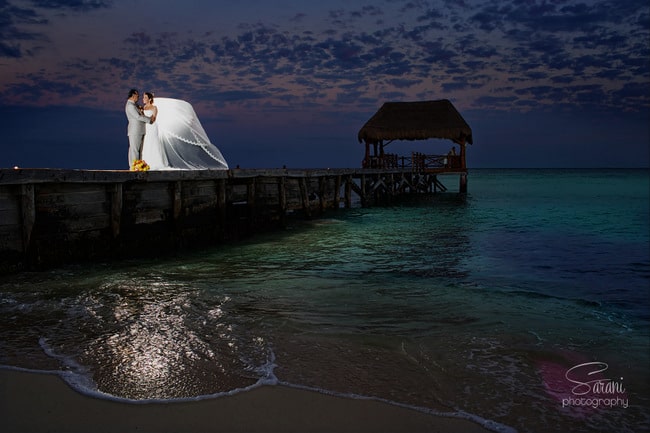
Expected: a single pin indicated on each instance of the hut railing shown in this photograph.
(417, 162)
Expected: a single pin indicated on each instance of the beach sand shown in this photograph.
(31, 402)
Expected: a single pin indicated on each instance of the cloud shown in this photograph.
(11, 36)
(139, 39)
(76, 5)
(13, 19)
(402, 83)
(237, 95)
(498, 101)
(488, 19)
(7, 50)
(297, 17)
(507, 54)
(451, 87)
(632, 95)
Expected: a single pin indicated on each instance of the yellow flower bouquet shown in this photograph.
(140, 165)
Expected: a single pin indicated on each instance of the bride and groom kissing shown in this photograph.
(168, 135)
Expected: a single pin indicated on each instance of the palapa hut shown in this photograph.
(418, 120)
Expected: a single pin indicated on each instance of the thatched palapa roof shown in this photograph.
(419, 120)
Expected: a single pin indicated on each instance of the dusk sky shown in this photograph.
(554, 83)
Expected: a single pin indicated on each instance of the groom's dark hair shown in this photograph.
(132, 92)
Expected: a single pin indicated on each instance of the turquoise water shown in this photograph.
(477, 306)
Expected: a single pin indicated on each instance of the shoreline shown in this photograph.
(41, 402)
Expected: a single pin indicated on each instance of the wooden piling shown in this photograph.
(463, 183)
(177, 199)
(116, 208)
(221, 206)
(250, 200)
(282, 200)
(28, 214)
(304, 195)
(348, 191)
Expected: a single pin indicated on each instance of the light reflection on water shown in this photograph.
(151, 345)
(173, 341)
(140, 337)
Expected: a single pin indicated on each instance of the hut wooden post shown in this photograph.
(463, 183)
(28, 214)
(463, 163)
(366, 158)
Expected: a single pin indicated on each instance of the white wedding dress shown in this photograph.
(176, 140)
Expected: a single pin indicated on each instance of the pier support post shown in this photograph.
(221, 203)
(252, 206)
(282, 190)
(321, 193)
(28, 214)
(116, 209)
(177, 198)
(177, 207)
(348, 191)
(336, 203)
(304, 194)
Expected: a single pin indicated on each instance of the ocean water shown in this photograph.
(523, 305)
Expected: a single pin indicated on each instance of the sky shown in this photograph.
(542, 83)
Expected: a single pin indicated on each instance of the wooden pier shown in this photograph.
(52, 217)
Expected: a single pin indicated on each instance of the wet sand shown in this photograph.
(31, 402)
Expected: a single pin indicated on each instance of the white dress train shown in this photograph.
(176, 140)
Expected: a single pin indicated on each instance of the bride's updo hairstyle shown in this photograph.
(150, 96)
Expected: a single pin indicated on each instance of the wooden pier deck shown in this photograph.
(50, 217)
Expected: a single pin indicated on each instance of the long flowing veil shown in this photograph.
(183, 138)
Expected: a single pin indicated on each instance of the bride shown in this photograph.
(176, 139)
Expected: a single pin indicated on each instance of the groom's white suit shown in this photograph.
(135, 131)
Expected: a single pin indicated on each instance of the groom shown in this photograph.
(136, 129)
